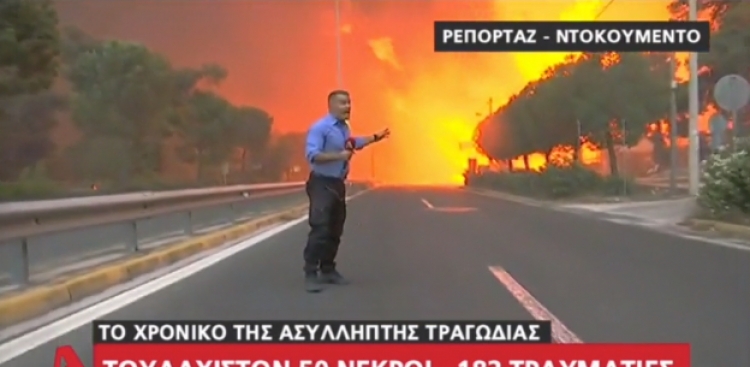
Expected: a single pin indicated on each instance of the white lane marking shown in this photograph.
(27, 342)
(512, 198)
(427, 204)
(455, 209)
(448, 209)
(560, 333)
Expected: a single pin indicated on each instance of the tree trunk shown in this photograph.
(660, 154)
(526, 161)
(243, 163)
(609, 142)
(198, 164)
(509, 162)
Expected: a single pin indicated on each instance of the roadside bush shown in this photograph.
(618, 186)
(567, 181)
(32, 183)
(726, 181)
(27, 190)
(522, 183)
(555, 182)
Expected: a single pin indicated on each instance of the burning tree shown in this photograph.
(605, 99)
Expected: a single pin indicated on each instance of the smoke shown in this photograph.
(282, 56)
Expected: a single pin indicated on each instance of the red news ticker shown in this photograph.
(381, 355)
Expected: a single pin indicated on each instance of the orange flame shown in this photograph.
(444, 98)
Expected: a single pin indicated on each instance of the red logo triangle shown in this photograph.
(66, 356)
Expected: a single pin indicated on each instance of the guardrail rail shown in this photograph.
(43, 239)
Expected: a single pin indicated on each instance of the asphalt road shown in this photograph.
(606, 282)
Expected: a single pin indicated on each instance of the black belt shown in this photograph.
(327, 178)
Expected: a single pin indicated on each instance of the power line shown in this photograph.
(604, 8)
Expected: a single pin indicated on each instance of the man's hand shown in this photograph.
(349, 145)
(383, 134)
(343, 155)
(346, 154)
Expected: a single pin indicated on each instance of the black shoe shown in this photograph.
(312, 283)
(333, 277)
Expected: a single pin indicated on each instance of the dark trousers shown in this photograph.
(326, 218)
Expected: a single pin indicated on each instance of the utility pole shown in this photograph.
(672, 126)
(339, 71)
(625, 155)
(694, 144)
(578, 141)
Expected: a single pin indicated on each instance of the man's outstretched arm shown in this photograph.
(363, 141)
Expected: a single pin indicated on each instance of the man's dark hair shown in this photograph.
(338, 92)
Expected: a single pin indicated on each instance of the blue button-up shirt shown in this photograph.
(329, 135)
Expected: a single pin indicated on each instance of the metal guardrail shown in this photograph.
(43, 239)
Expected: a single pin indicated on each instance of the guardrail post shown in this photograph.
(21, 272)
(234, 212)
(189, 223)
(132, 243)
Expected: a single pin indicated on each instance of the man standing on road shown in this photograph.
(329, 149)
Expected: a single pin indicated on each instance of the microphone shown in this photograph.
(349, 145)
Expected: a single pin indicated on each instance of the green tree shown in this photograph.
(124, 91)
(188, 81)
(75, 42)
(556, 122)
(515, 131)
(208, 140)
(207, 130)
(253, 133)
(29, 50)
(100, 159)
(615, 103)
(493, 139)
(525, 126)
(284, 156)
(606, 99)
(729, 52)
(29, 46)
(25, 126)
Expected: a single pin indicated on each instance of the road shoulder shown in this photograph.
(715, 227)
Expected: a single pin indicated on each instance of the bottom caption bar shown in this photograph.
(357, 344)
(394, 355)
